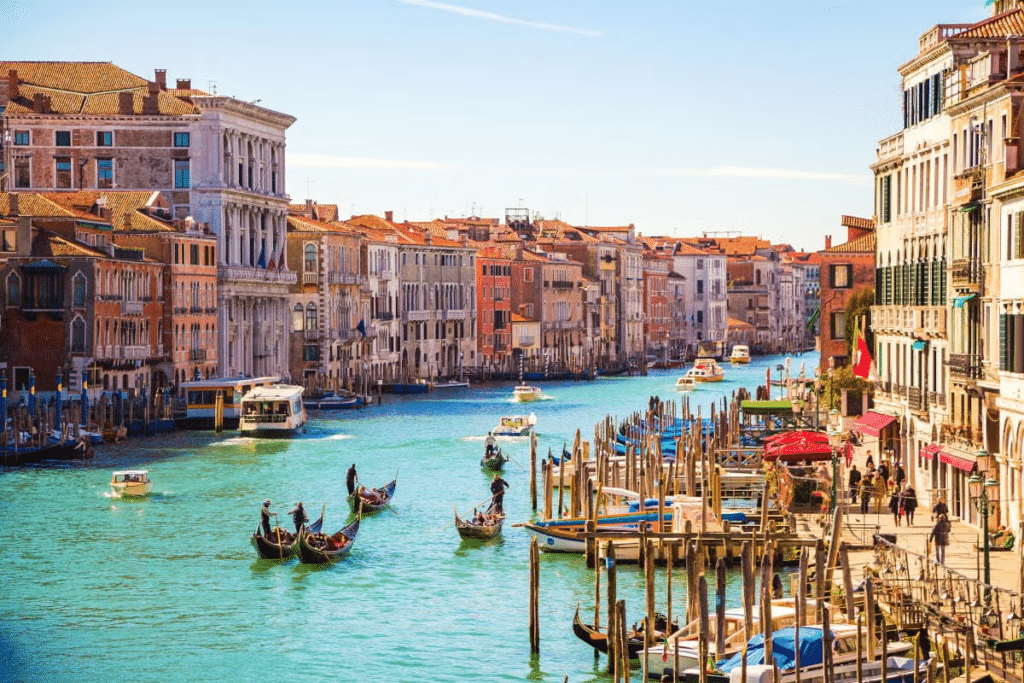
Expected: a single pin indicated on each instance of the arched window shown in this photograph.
(78, 336)
(297, 318)
(310, 316)
(309, 258)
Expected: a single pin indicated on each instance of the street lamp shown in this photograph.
(835, 440)
(979, 494)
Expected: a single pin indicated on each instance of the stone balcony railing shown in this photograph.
(311, 278)
(965, 365)
(131, 308)
(922, 321)
(966, 272)
(197, 354)
(343, 278)
(246, 274)
(415, 316)
(891, 147)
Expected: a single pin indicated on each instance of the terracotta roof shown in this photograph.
(516, 318)
(734, 323)
(82, 203)
(1000, 26)
(675, 245)
(862, 245)
(45, 243)
(493, 252)
(321, 212)
(32, 204)
(85, 88)
(855, 222)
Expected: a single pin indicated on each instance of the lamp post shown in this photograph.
(835, 440)
(979, 489)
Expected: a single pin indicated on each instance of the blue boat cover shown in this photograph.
(783, 650)
(735, 517)
(650, 503)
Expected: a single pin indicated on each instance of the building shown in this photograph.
(845, 269)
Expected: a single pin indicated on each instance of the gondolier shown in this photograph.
(490, 442)
(265, 515)
(350, 479)
(498, 486)
(298, 514)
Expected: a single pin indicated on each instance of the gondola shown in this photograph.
(493, 459)
(324, 549)
(282, 543)
(634, 639)
(62, 450)
(386, 492)
(467, 529)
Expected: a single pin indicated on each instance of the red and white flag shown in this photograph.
(863, 365)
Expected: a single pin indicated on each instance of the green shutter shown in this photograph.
(888, 286)
(886, 198)
(1018, 236)
(944, 275)
(1004, 359)
(878, 287)
(913, 284)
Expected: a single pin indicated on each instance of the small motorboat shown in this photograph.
(740, 354)
(129, 483)
(342, 400)
(706, 370)
(524, 393)
(686, 383)
(515, 425)
(488, 528)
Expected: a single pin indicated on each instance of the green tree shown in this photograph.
(858, 307)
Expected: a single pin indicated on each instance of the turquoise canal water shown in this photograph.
(169, 589)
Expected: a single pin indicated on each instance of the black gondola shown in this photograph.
(323, 549)
(370, 504)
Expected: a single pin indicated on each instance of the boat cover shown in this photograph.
(783, 650)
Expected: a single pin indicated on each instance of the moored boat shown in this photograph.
(489, 527)
(127, 483)
(372, 500)
(319, 548)
(343, 400)
(515, 425)
(598, 640)
(274, 410)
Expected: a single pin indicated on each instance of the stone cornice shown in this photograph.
(244, 109)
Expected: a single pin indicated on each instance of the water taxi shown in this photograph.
(515, 425)
(275, 410)
(706, 370)
(524, 393)
(127, 483)
(740, 354)
(686, 383)
(204, 397)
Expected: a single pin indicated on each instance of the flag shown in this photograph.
(262, 262)
(361, 328)
(863, 367)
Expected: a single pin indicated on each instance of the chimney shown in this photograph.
(151, 102)
(38, 102)
(1012, 57)
(828, 241)
(161, 78)
(389, 216)
(127, 220)
(309, 208)
(125, 103)
(12, 85)
(13, 209)
(184, 84)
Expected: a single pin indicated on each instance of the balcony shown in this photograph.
(936, 398)
(131, 308)
(310, 278)
(966, 273)
(259, 275)
(312, 335)
(526, 342)
(197, 354)
(343, 278)
(384, 315)
(968, 186)
(415, 316)
(917, 399)
(562, 284)
(965, 365)
(131, 352)
(458, 314)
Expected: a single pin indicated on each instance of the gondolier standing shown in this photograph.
(350, 479)
(265, 514)
(498, 486)
(298, 514)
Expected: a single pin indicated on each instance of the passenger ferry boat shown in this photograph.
(274, 410)
(706, 370)
(201, 400)
(740, 354)
(127, 483)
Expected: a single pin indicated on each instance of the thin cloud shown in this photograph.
(328, 161)
(770, 173)
(491, 16)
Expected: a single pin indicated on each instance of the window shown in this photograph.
(527, 274)
(79, 290)
(700, 263)
(700, 286)
(62, 179)
(181, 139)
(13, 290)
(104, 174)
(1016, 237)
(297, 318)
(181, 175)
(78, 336)
(310, 352)
(63, 138)
(193, 254)
(22, 138)
(838, 325)
(309, 258)
(840, 276)
(104, 138)
(22, 173)
(8, 240)
(1011, 343)
(310, 316)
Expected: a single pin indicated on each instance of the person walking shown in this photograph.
(910, 504)
(940, 508)
(351, 477)
(900, 476)
(298, 514)
(894, 505)
(498, 486)
(854, 483)
(940, 536)
(879, 493)
(867, 485)
(883, 471)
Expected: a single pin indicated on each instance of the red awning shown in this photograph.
(965, 464)
(873, 423)
(794, 451)
(798, 435)
(931, 450)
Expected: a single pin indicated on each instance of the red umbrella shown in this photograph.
(799, 450)
(798, 435)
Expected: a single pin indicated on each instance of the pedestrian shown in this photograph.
(939, 508)
(265, 514)
(854, 483)
(848, 452)
(867, 485)
(879, 493)
(351, 477)
(869, 463)
(940, 536)
(883, 471)
(894, 504)
(498, 486)
(298, 514)
(900, 475)
(910, 504)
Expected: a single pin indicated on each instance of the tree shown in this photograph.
(858, 307)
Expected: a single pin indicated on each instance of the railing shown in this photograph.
(966, 271)
(244, 273)
(131, 308)
(890, 147)
(131, 352)
(312, 334)
(343, 278)
(937, 398)
(414, 316)
(197, 354)
(938, 34)
(384, 315)
(917, 399)
(310, 278)
(562, 284)
(526, 341)
(965, 365)
(458, 314)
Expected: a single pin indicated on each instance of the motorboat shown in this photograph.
(706, 370)
(342, 400)
(686, 383)
(524, 393)
(274, 410)
(127, 483)
(740, 354)
(515, 425)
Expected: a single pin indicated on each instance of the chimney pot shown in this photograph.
(309, 208)
(161, 78)
(389, 216)
(828, 241)
(12, 85)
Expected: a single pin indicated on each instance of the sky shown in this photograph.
(677, 116)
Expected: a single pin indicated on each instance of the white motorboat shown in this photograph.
(127, 483)
(515, 425)
(740, 354)
(274, 410)
(524, 393)
(686, 383)
(706, 370)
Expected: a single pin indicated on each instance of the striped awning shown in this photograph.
(957, 461)
(873, 423)
(931, 450)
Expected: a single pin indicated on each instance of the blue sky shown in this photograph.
(677, 116)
